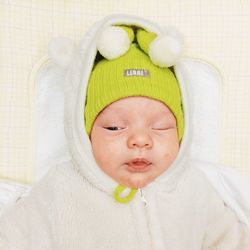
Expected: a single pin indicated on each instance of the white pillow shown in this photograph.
(51, 141)
(10, 191)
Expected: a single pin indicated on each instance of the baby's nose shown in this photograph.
(140, 139)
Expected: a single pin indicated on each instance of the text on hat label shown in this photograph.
(136, 72)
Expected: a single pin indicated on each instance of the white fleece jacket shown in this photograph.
(65, 211)
(72, 207)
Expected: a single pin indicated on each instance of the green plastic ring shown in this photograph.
(126, 199)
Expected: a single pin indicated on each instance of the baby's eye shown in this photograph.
(163, 125)
(114, 128)
(160, 128)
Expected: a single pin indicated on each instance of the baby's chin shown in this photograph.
(138, 180)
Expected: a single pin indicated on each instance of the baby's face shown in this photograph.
(134, 140)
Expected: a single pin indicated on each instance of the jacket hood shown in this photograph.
(76, 84)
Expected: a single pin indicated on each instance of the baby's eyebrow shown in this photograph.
(117, 111)
(113, 115)
(167, 114)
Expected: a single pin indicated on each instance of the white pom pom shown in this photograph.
(167, 48)
(61, 50)
(113, 42)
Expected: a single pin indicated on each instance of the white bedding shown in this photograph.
(10, 191)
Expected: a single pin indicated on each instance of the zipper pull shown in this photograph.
(125, 199)
(143, 197)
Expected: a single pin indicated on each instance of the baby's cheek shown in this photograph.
(99, 154)
(171, 148)
(168, 158)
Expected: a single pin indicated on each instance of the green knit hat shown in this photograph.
(132, 74)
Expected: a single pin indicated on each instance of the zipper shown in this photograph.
(151, 223)
(142, 196)
(140, 213)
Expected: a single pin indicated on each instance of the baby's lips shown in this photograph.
(139, 163)
(139, 160)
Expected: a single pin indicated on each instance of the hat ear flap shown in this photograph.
(114, 41)
(164, 50)
(61, 51)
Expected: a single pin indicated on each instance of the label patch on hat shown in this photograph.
(136, 72)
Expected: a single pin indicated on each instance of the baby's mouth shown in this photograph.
(138, 165)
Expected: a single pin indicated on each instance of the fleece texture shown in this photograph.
(65, 211)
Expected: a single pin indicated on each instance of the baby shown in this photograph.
(130, 183)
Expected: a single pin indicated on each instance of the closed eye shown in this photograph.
(114, 128)
(164, 128)
(160, 128)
